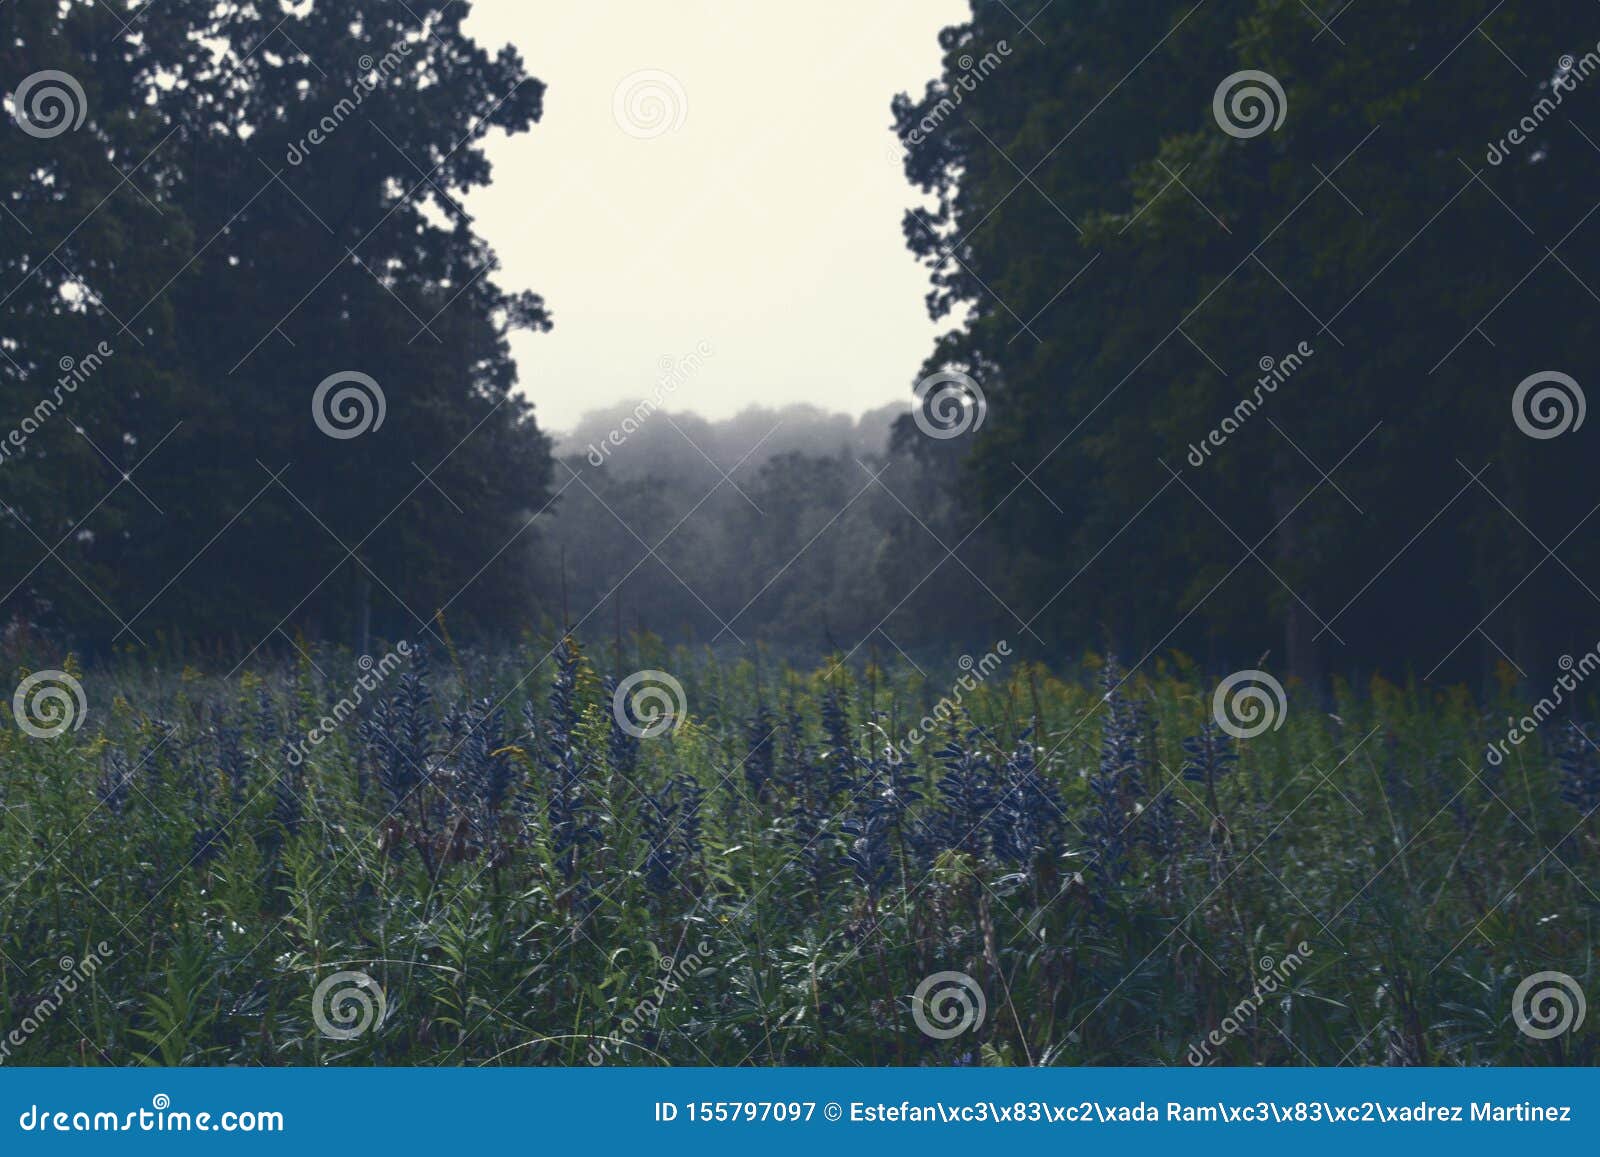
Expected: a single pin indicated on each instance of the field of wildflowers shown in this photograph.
(538, 857)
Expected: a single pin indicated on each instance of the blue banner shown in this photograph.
(708, 1111)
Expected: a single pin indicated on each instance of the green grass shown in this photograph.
(221, 886)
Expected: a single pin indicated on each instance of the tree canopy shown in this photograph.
(1347, 278)
(257, 212)
(1269, 328)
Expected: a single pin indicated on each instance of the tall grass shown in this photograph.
(527, 882)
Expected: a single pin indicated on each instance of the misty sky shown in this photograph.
(759, 214)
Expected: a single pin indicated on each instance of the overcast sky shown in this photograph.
(744, 192)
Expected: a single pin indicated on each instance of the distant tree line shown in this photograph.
(793, 528)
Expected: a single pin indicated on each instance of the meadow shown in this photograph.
(551, 855)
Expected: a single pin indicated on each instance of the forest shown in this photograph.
(1121, 276)
(1190, 665)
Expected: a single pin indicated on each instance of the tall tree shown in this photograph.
(86, 173)
(1330, 520)
(343, 429)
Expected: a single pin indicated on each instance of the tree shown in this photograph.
(306, 164)
(1332, 525)
(86, 214)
